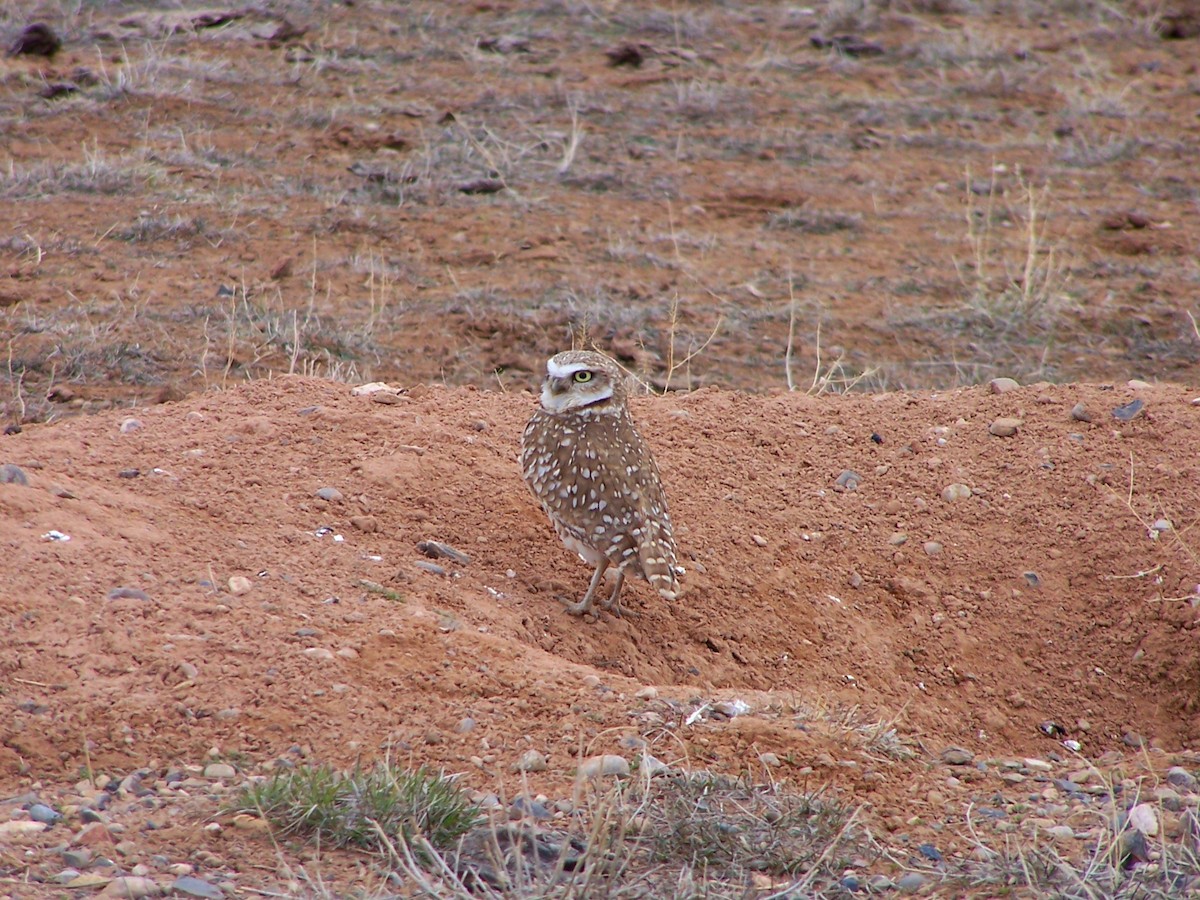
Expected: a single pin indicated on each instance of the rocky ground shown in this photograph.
(940, 630)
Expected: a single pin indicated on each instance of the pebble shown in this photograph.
(365, 524)
(329, 494)
(77, 859)
(953, 492)
(910, 882)
(132, 887)
(128, 593)
(1005, 427)
(770, 759)
(1181, 777)
(219, 770)
(607, 765)
(11, 474)
(196, 887)
(647, 693)
(1080, 413)
(130, 425)
(438, 550)
(530, 761)
(239, 584)
(318, 653)
(18, 827)
(40, 812)
(1129, 411)
(1061, 832)
(1003, 385)
(465, 725)
(1144, 818)
(932, 548)
(847, 481)
(957, 756)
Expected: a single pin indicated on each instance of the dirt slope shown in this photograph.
(796, 589)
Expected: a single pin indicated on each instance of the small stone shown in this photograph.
(957, 756)
(1003, 385)
(329, 494)
(1038, 765)
(131, 887)
(1144, 818)
(40, 812)
(910, 882)
(12, 474)
(523, 807)
(647, 693)
(1181, 777)
(88, 880)
(759, 540)
(251, 824)
(239, 584)
(465, 725)
(607, 765)
(196, 887)
(1033, 579)
(439, 550)
(219, 770)
(1133, 849)
(1129, 411)
(19, 827)
(953, 492)
(1005, 427)
(1138, 384)
(770, 759)
(130, 425)
(366, 524)
(1061, 832)
(530, 761)
(898, 539)
(77, 859)
(187, 670)
(591, 681)
(320, 653)
(1080, 413)
(847, 481)
(932, 548)
(128, 593)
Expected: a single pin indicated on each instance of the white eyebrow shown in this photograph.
(555, 370)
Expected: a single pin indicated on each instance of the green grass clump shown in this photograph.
(364, 807)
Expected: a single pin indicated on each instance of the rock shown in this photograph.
(1133, 849)
(1003, 385)
(1061, 832)
(770, 759)
(1037, 765)
(1129, 411)
(957, 756)
(465, 725)
(1080, 413)
(131, 887)
(128, 593)
(647, 693)
(320, 653)
(12, 474)
(530, 761)
(366, 524)
(910, 882)
(329, 494)
(40, 812)
(37, 39)
(1144, 818)
(1181, 778)
(847, 481)
(1005, 427)
(196, 887)
(219, 770)
(20, 827)
(438, 550)
(77, 859)
(523, 807)
(932, 548)
(601, 766)
(954, 492)
(130, 425)
(239, 584)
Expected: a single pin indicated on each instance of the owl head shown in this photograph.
(581, 379)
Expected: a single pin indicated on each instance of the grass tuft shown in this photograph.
(360, 807)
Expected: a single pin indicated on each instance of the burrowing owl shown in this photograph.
(585, 461)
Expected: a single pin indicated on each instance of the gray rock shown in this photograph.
(1003, 385)
(911, 882)
(219, 770)
(957, 756)
(531, 761)
(190, 886)
(601, 766)
(952, 492)
(1181, 777)
(10, 474)
(331, 494)
(77, 858)
(1080, 413)
(1004, 427)
(40, 812)
(1129, 411)
(127, 593)
(847, 481)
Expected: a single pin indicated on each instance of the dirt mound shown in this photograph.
(1051, 594)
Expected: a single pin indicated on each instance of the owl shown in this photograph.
(587, 465)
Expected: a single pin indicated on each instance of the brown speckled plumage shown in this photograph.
(585, 462)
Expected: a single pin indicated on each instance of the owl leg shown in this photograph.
(613, 604)
(586, 605)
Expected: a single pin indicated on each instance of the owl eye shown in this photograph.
(583, 377)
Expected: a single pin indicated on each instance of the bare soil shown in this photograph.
(214, 223)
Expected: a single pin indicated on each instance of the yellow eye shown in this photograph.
(583, 376)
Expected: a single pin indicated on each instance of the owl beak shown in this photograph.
(557, 386)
